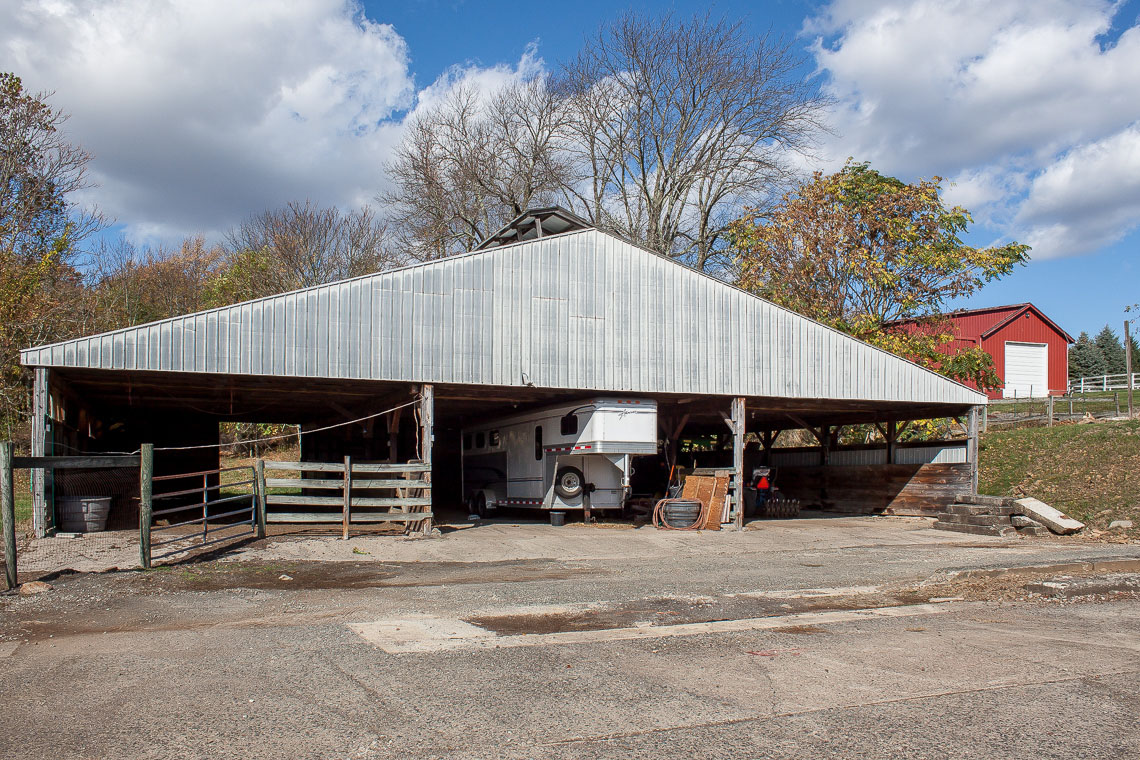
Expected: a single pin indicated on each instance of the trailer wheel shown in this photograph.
(481, 504)
(569, 482)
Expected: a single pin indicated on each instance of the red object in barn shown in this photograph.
(1030, 352)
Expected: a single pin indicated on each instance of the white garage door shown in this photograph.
(1026, 369)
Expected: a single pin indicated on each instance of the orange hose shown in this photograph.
(659, 520)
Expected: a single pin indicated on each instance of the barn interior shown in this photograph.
(106, 411)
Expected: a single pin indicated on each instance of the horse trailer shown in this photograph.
(574, 456)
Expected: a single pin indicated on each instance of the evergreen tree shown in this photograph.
(1085, 359)
(1111, 349)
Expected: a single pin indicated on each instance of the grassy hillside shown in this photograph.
(1090, 471)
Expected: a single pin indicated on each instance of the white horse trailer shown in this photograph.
(572, 456)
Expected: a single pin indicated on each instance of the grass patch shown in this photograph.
(23, 507)
(1088, 471)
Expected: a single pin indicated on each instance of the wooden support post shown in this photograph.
(259, 498)
(41, 510)
(146, 489)
(892, 437)
(394, 435)
(8, 508)
(972, 448)
(427, 436)
(738, 430)
(769, 439)
(986, 416)
(824, 438)
(1116, 401)
(1128, 367)
(1049, 408)
(346, 510)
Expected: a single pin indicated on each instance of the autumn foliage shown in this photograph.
(866, 253)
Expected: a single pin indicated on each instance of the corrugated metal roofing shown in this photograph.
(584, 310)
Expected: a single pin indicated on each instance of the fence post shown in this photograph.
(259, 498)
(146, 489)
(1049, 407)
(347, 509)
(1116, 400)
(8, 507)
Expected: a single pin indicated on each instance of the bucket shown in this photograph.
(681, 513)
(83, 514)
(557, 519)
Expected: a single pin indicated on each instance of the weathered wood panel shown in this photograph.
(897, 489)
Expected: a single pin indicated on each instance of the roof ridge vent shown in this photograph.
(533, 224)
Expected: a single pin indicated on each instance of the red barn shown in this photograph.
(1030, 352)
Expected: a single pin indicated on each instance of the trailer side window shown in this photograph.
(538, 443)
(493, 438)
(466, 441)
(570, 424)
(480, 440)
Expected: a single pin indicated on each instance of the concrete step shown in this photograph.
(1001, 521)
(978, 509)
(983, 500)
(977, 530)
(1035, 530)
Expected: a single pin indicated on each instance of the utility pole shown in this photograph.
(1128, 366)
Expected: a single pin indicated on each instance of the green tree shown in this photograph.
(1111, 350)
(1085, 359)
(877, 258)
(41, 228)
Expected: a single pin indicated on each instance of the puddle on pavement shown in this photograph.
(672, 611)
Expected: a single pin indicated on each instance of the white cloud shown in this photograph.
(1088, 199)
(482, 80)
(202, 112)
(998, 95)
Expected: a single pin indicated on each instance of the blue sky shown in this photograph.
(201, 113)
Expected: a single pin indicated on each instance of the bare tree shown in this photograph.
(298, 246)
(679, 125)
(475, 161)
(131, 285)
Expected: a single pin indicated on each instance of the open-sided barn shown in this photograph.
(549, 310)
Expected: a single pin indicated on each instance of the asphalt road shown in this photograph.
(854, 642)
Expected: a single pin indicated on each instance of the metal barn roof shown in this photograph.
(582, 310)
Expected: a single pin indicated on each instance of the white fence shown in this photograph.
(1118, 382)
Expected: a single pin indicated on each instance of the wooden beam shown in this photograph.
(346, 507)
(75, 463)
(738, 430)
(42, 519)
(8, 513)
(260, 477)
(427, 421)
(146, 489)
(972, 448)
(892, 436)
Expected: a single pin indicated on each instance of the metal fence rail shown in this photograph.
(211, 497)
(404, 493)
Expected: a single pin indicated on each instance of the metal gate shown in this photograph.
(199, 509)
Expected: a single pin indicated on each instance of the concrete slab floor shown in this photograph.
(803, 643)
